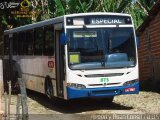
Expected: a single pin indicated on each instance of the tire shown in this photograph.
(49, 87)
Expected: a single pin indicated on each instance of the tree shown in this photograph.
(146, 5)
(45, 9)
(138, 9)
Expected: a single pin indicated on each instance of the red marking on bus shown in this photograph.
(50, 64)
(130, 89)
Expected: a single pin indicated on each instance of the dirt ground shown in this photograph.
(41, 108)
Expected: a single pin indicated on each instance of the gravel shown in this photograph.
(142, 103)
(147, 102)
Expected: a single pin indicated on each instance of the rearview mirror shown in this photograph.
(63, 38)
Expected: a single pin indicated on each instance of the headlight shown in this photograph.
(74, 85)
(130, 82)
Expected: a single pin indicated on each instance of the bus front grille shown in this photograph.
(104, 75)
(103, 84)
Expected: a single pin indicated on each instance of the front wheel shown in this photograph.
(48, 87)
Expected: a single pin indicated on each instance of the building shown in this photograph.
(149, 47)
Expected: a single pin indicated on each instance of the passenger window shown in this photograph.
(49, 41)
(38, 43)
(29, 42)
(6, 45)
(15, 39)
(20, 43)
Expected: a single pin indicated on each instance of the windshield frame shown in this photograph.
(102, 68)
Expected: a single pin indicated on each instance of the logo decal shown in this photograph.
(25, 4)
(50, 64)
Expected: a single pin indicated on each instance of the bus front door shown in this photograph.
(59, 51)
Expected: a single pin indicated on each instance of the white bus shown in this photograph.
(75, 56)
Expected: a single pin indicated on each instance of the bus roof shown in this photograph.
(34, 25)
(97, 13)
(58, 20)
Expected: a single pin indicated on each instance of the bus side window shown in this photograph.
(29, 43)
(6, 45)
(15, 37)
(38, 43)
(49, 41)
(20, 43)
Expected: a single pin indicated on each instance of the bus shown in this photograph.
(84, 55)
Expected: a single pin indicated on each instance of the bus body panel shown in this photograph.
(102, 92)
(90, 82)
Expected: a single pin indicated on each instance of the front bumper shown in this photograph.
(73, 93)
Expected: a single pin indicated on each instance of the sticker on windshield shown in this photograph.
(80, 34)
(74, 57)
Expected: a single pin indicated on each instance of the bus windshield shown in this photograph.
(101, 48)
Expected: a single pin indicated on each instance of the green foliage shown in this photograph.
(123, 5)
(147, 4)
(137, 15)
(78, 6)
(60, 9)
(138, 9)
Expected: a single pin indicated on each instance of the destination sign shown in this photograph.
(99, 20)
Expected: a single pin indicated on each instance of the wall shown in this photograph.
(149, 51)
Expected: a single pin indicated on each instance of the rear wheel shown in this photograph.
(48, 87)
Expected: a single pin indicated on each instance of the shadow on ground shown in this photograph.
(75, 106)
(149, 86)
